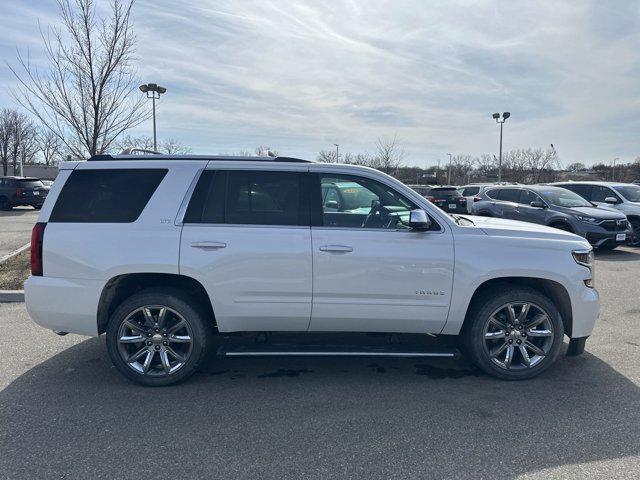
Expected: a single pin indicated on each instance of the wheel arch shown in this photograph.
(121, 287)
(556, 221)
(554, 290)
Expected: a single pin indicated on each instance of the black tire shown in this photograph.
(200, 327)
(37, 207)
(5, 204)
(480, 315)
(484, 214)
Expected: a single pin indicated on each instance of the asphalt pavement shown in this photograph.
(15, 228)
(66, 413)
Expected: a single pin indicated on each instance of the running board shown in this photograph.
(284, 351)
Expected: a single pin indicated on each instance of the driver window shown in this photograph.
(357, 202)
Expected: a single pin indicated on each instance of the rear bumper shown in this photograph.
(64, 305)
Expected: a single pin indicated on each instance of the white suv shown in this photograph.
(165, 254)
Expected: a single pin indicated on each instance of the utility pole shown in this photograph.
(153, 92)
(337, 152)
(498, 119)
(613, 173)
(449, 172)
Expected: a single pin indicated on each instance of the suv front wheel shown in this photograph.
(157, 337)
(514, 333)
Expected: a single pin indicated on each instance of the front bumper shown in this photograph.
(585, 306)
(64, 305)
(599, 236)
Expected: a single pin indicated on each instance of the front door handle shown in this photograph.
(208, 245)
(336, 248)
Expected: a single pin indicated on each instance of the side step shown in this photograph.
(332, 351)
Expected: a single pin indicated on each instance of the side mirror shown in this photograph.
(538, 204)
(419, 220)
(332, 204)
(611, 200)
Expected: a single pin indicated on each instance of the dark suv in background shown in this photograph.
(448, 199)
(16, 191)
(556, 207)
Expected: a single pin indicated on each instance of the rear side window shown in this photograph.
(509, 195)
(249, 197)
(106, 196)
(582, 190)
(493, 193)
(444, 192)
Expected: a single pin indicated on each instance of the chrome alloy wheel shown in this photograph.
(518, 335)
(155, 340)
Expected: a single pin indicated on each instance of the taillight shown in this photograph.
(18, 192)
(430, 198)
(476, 199)
(37, 235)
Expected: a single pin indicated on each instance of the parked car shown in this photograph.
(472, 192)
(163, 253)
(17, 191)
(421, 189)
(624, 197)
(448, 199)
(556, 207)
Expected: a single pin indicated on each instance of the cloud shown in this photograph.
(302, 75)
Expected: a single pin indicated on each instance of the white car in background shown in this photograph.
(472, 192)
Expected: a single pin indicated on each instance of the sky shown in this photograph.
(300, 76)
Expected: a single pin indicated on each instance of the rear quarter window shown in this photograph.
(106, 196)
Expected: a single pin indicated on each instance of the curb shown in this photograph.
(14, 253)
(11, 296)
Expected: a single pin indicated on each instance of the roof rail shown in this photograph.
(132, 150)
(156, 156)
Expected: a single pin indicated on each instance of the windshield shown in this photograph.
(630, 192)
(563, 198)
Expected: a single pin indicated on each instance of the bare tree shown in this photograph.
(327, 156)
(6, 133)
(50, 146)
(86, 96)
(173, 146)
(389, 155)
(145, 142)
(264, 150)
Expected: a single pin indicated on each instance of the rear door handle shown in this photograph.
(208, 245)
(336, 248)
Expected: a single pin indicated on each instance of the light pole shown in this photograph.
(153, 91)
(449, 171)
(613, 173)
(337, 152)
(496, 117)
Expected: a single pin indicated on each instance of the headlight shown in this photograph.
(590, 220)
(586, 259)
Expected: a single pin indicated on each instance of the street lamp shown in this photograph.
(496, 117)
(449, 172)
(153, 91)
(337, 152)
(613, 173)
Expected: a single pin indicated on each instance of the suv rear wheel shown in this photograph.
(158, 337)
(514, 333)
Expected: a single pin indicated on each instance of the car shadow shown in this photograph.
(626, 254)
(74, 416)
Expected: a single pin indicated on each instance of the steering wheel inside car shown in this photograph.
(378, 216)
